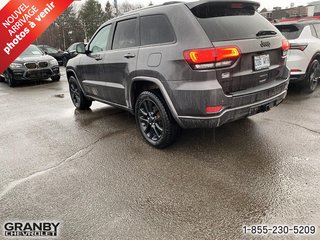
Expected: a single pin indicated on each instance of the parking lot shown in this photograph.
(92, 172)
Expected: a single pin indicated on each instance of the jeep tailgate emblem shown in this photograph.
(265, 44)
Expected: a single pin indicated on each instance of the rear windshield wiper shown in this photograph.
(266, 33)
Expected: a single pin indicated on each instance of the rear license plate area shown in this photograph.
(261, 62)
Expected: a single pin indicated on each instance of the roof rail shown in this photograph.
(307, 19)
(304, 19)
(171, 2)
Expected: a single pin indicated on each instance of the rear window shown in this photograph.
(52, 50)
(289, 31)
(231, 21)
(126, 34)
(156, 29)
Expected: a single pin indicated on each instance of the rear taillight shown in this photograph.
(296, 70)
(214, 109)
(285, 47)
(212, 57)
(199, 56)
(298, 46)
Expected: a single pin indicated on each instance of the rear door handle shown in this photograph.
(98, 58)
(129, 55)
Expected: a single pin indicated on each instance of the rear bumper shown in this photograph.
(298, 60)
(233, 114)
(235, 106)
(294, 78)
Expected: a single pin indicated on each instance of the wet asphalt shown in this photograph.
(92, 172)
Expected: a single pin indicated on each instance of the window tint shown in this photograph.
(100, 41)
(156, 29)
(32, 50)
(317, 27)
(52, 50)
(290, 31)
(72, 47)
(126, 34)
(229, 21)
(80, 47)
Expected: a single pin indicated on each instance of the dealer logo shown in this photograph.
(31, 229)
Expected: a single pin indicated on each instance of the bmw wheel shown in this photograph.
(64, 61)
(55, 78)
(9, 78)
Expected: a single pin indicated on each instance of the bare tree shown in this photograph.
(126, 7)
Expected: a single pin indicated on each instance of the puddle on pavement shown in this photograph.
(59, 95)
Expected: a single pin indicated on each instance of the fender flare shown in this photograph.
(315, 56)
(162, 90)
(76, 77)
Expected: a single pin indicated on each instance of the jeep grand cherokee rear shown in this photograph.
(189, 65)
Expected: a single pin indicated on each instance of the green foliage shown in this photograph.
(91, 17)
(74, 26)
(63, 32)
(108, 11)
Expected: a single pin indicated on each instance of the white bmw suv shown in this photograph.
(304, 53)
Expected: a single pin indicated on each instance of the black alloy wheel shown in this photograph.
(154, 120)
(150, 120)
(77, 96)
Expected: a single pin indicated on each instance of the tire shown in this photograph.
(65, 62)
(77, 96)
(55, 78)
(9, 79)
(312, 79)
(154, 120)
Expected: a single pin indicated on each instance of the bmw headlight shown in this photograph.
(16, 65)
(53, 62)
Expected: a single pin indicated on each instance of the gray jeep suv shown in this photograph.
(191, 65)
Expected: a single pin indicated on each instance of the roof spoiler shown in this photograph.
(191, 5)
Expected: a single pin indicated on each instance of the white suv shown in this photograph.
(304, 53)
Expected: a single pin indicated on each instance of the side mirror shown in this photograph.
(81, 49)
(45, 52)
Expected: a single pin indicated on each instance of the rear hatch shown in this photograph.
(297, 54)
(290, 30)
(238, 24)
(293, 31)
